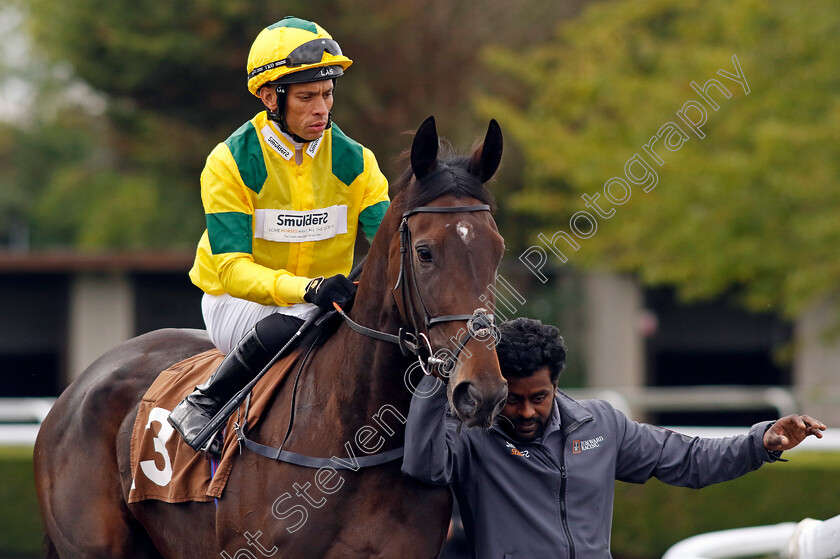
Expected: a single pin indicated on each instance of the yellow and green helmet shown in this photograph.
(294, 50)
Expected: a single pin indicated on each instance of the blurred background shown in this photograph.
(698, 288)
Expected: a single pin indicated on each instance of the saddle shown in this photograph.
(163, 466)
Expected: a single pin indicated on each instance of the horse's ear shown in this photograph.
(485, 160)
(424, 149)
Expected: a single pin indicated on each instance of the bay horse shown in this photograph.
(430, 267)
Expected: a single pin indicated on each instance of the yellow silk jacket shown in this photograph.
(272, 225)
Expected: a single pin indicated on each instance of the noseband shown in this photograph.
(480, 323)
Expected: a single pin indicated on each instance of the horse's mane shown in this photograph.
(450, 176)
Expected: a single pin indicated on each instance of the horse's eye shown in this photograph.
(424, 254)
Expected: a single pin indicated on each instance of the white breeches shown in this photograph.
(228, 319)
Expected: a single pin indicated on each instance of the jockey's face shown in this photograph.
(308, 107)
(528, 405)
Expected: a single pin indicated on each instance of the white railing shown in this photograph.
(830, 442)
(633, 400)
(814, 539)
(809, 539)
(637, 401)
(20, 419)
(740, 542)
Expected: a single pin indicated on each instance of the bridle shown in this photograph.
(480, 326)
(480, 323)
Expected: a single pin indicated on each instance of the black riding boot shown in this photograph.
(239, 367)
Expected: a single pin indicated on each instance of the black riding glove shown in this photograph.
(323, 292)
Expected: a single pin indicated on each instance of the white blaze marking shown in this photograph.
(465, 231)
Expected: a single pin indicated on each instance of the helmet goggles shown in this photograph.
(310, 52)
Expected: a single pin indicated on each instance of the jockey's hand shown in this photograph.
(789, 431)
(324, 292)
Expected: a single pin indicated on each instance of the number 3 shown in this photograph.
(164, 476)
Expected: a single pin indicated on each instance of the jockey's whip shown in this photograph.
(222, 415)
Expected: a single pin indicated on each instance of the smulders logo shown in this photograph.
(589, 444)
(297, 220)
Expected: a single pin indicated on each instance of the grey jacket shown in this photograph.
(554, 497)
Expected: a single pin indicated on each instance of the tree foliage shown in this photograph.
(752, 206)
(172, 75)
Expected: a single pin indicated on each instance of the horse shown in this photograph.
(431, 266)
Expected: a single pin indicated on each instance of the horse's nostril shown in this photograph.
(467, 399)
(500, 399)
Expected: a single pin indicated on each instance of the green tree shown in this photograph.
(172, 77)
(752, 206)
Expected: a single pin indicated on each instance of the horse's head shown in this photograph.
(443, 266)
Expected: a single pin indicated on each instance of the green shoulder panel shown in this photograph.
(296, 22)
(348, 160)
(244, 145)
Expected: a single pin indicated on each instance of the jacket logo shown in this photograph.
(312, 149)
(516, 452)
(589, 444)
(274, 142)
(298, 219)
(298, 226)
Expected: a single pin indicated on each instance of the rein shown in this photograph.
(351, 462)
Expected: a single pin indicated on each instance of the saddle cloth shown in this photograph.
(163, 466)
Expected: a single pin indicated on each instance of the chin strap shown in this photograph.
(279, 116)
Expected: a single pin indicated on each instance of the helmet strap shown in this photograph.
(279, 116)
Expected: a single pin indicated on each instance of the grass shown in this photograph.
(650, 518)
(21, 530)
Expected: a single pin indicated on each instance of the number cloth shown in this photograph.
(163, 466)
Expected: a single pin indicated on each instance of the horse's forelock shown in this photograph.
(451, 176)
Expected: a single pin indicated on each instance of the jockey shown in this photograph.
(284, 197)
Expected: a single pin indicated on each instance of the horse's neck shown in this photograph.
(370, 372)
(354, 380)
(373, 366)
